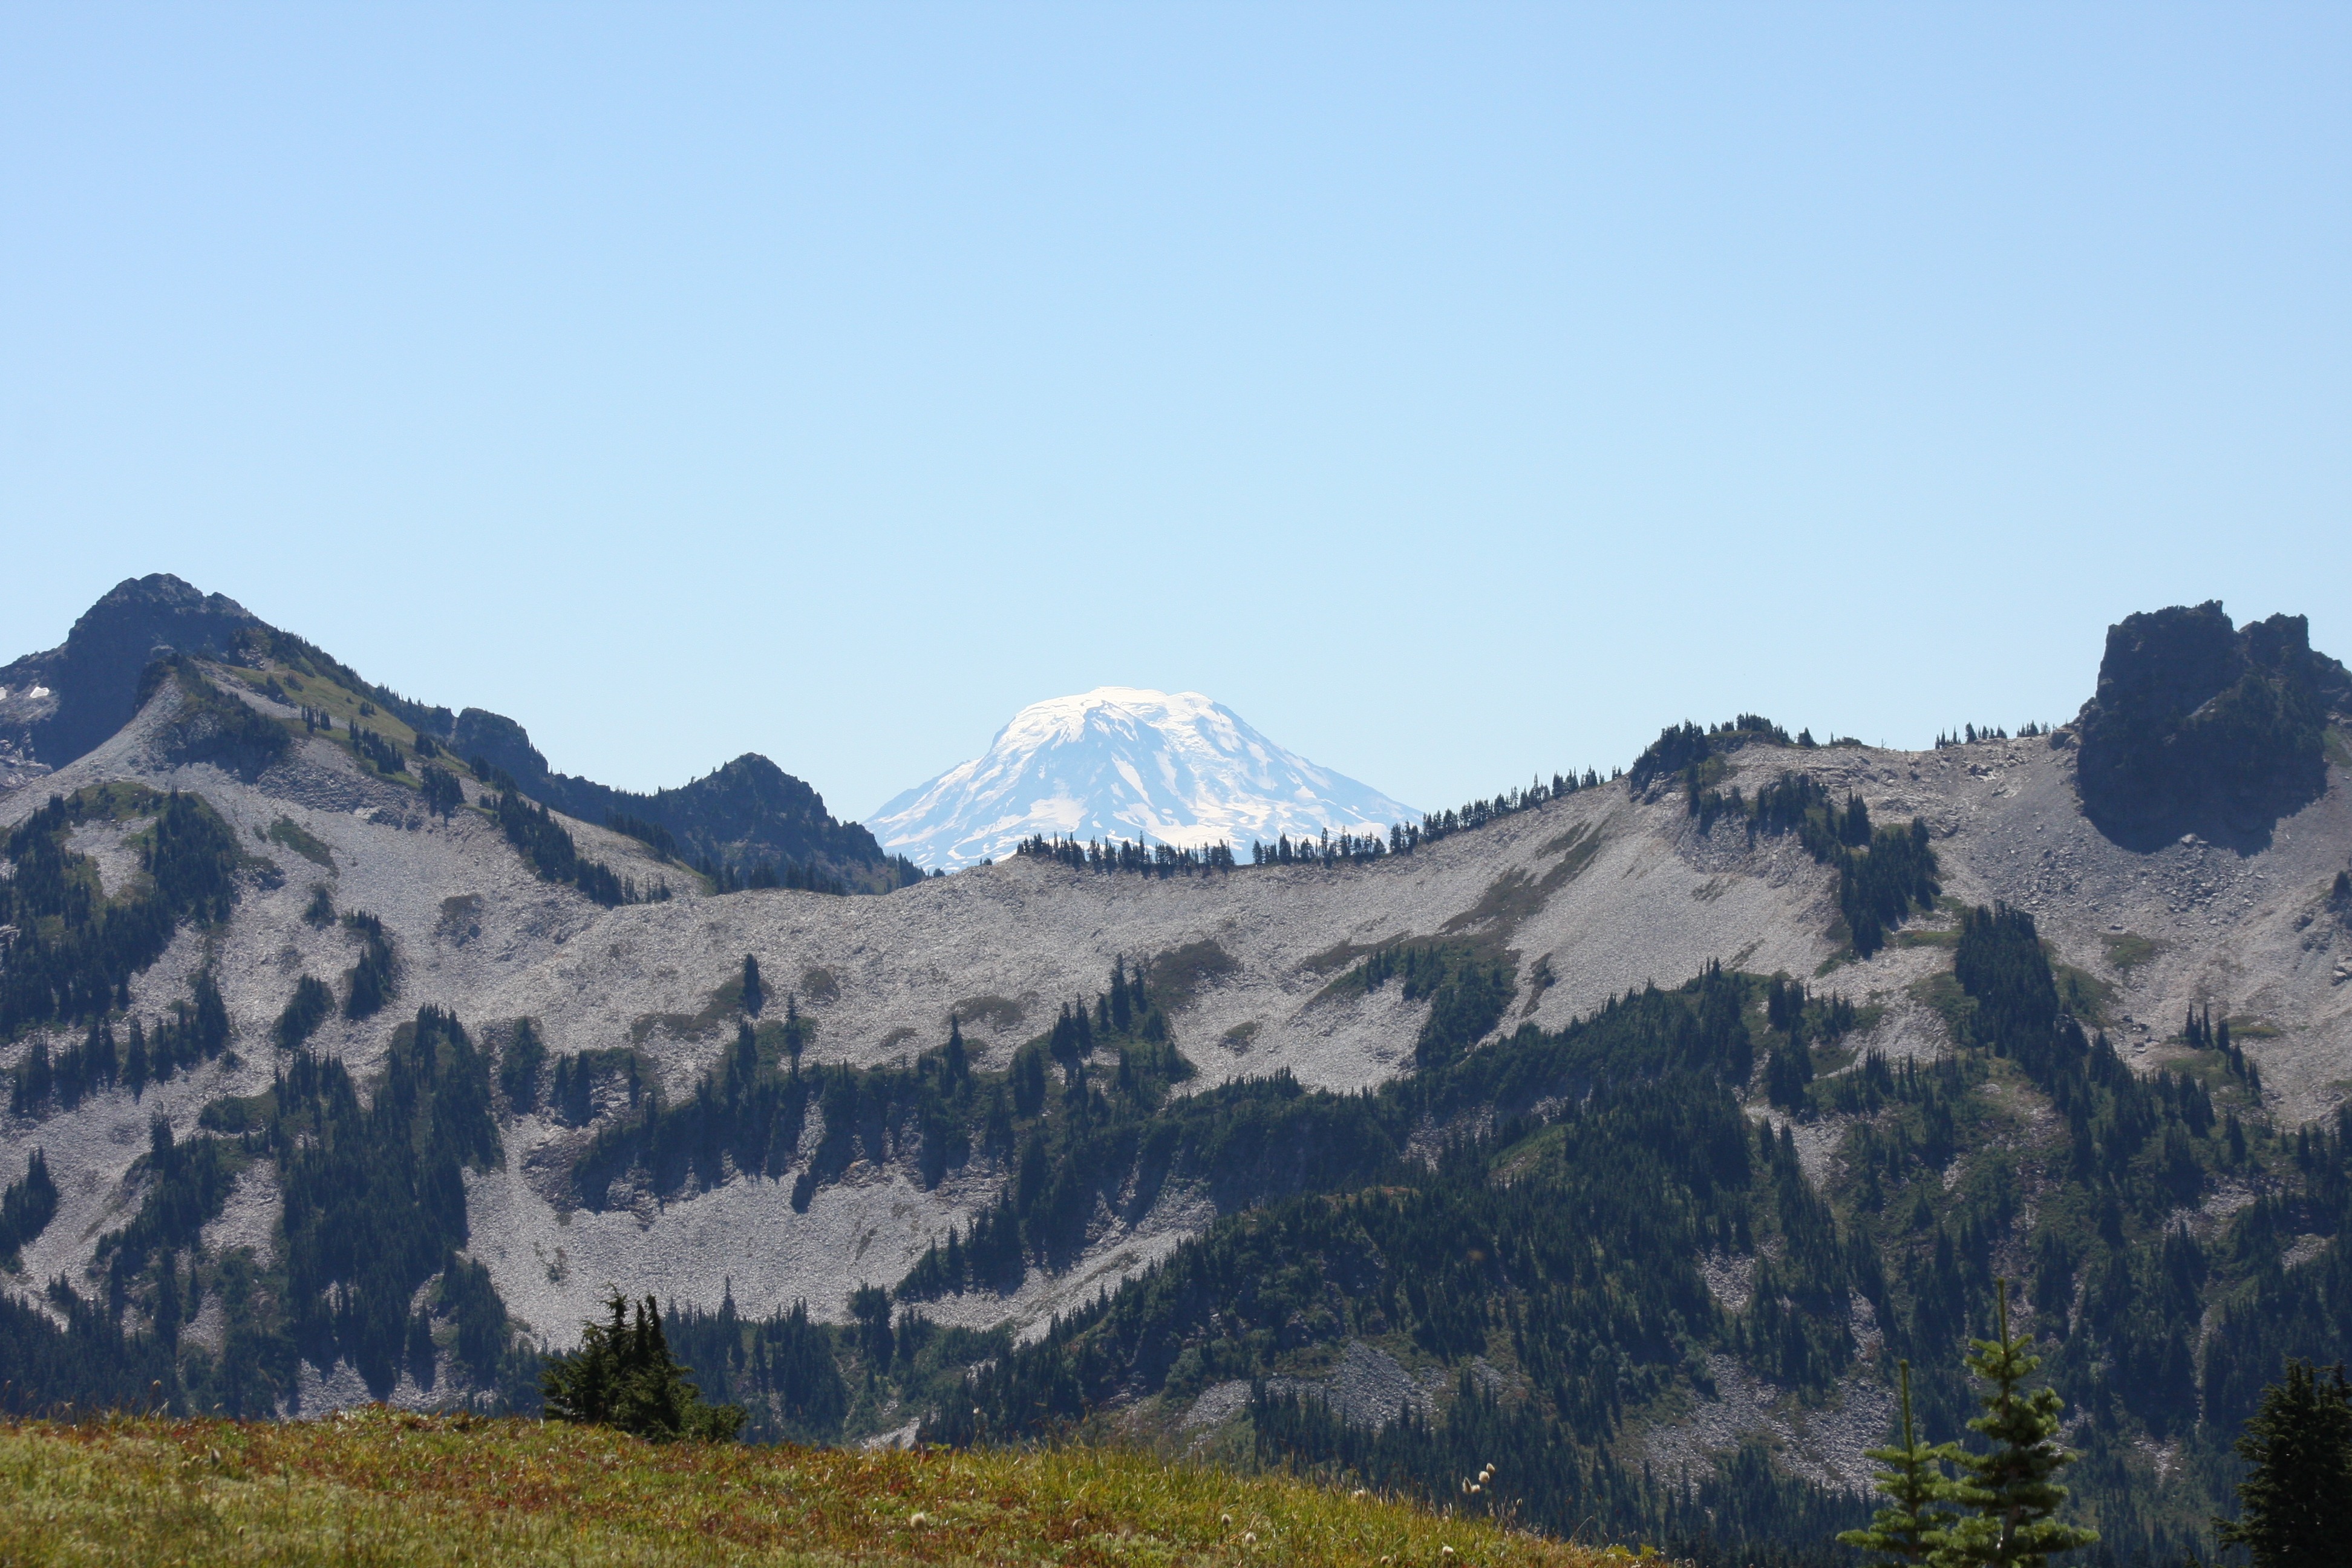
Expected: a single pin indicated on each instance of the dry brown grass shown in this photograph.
(377, 1487)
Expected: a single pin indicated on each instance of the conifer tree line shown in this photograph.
(1585, 1212)
(1969, 734)
(726, 876)
(1120, 855)
(1347, 848)
(74, 950)
(1680, 747)
(1923, 1209)
(377, 750)
(1403, 839)
(193, 1030)
(1865, 897)
(550, 850)
(1884, 873)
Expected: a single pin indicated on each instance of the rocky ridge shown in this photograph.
(1594, 893)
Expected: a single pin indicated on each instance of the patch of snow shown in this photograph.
(1123, 762)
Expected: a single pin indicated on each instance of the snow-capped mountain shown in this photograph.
(1119, 763)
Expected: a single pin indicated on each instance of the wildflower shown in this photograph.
(1249, 1538)
(918, 1520)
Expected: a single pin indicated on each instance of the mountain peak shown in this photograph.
(1124, 762)
(89, 682)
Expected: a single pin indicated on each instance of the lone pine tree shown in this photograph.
(2010, 1492)
(623, 1375)
(1914, 1483)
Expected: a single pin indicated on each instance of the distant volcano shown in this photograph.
(1119, 763)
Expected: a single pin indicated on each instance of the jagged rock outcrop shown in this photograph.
(2200, 727)
(91, 680)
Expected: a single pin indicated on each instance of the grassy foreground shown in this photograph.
(379, 1487)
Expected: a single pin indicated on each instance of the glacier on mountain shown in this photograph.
(1123, 762)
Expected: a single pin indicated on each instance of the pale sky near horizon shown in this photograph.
(1457, 393)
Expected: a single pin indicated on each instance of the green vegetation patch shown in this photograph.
(993, 1011)
(2083, 994)
(1942, 995)
(1515, 896)
(2127, 951)
(726, 1002)
(1342, 953)
(293, 835)
(1178, 976)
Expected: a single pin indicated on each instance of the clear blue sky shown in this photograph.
(1454, 391)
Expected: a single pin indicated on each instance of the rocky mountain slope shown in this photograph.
(600, 1097)
(1119, 763)
(745, 816)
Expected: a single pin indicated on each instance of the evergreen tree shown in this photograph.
(2296, 1503)
(795, 1032)
(27, 1208)
(755, 996)
(2010, 1492)
(443, 794)
(1913, 1484)
(624, 1376)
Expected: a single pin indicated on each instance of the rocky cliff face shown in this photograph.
(90, 682)
(2198, 727)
